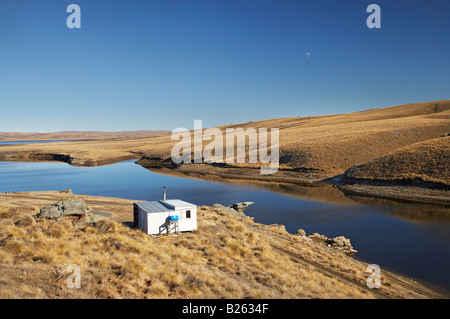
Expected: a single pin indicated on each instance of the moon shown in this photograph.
(308, 54)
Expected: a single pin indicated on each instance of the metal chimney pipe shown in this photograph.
(164, 193)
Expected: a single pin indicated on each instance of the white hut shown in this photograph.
(165, 216)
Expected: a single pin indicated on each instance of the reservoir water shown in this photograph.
(410, 239)
(30, 142)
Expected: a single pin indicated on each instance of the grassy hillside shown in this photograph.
(228, 257)
(427, 162)
(335, 143)
(311, 148)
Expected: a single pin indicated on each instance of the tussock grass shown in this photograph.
(227, 257)
(428, 161)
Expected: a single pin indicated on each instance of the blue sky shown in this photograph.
(160, 64)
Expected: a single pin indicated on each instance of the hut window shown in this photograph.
(188, 214)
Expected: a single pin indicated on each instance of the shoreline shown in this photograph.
(388, 190)
(399, 152)
(421, 284)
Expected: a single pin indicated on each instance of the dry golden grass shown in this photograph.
(227, 257)
(327, 144)
(428, 161)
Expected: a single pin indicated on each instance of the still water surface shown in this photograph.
(30, 142)
(413, 240)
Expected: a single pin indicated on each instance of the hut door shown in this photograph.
(135, 216)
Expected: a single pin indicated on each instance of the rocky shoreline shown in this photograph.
(397, 190)
(410, 190)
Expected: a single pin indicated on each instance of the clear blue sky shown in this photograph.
(160, 64)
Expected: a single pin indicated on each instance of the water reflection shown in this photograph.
(327, 193)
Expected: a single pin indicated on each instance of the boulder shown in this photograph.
(300, 232)
(75, 209)
(236, 209)
(227, 210)
(341, 243)
(318, 237)
(50, 212)
(72, 206)
(279, 226)
(91, 218)
(240, 207)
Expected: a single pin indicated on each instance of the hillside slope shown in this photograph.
(334, 143)
(311, 148)
(424, 162)
(228, 257)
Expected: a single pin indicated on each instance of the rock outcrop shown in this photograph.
(236, 209)
(300, 232)
(240, 207)
(74, 208)
(339, 242)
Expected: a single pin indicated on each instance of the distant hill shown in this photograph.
(333, 143)
(76, 135)
(311, 148)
